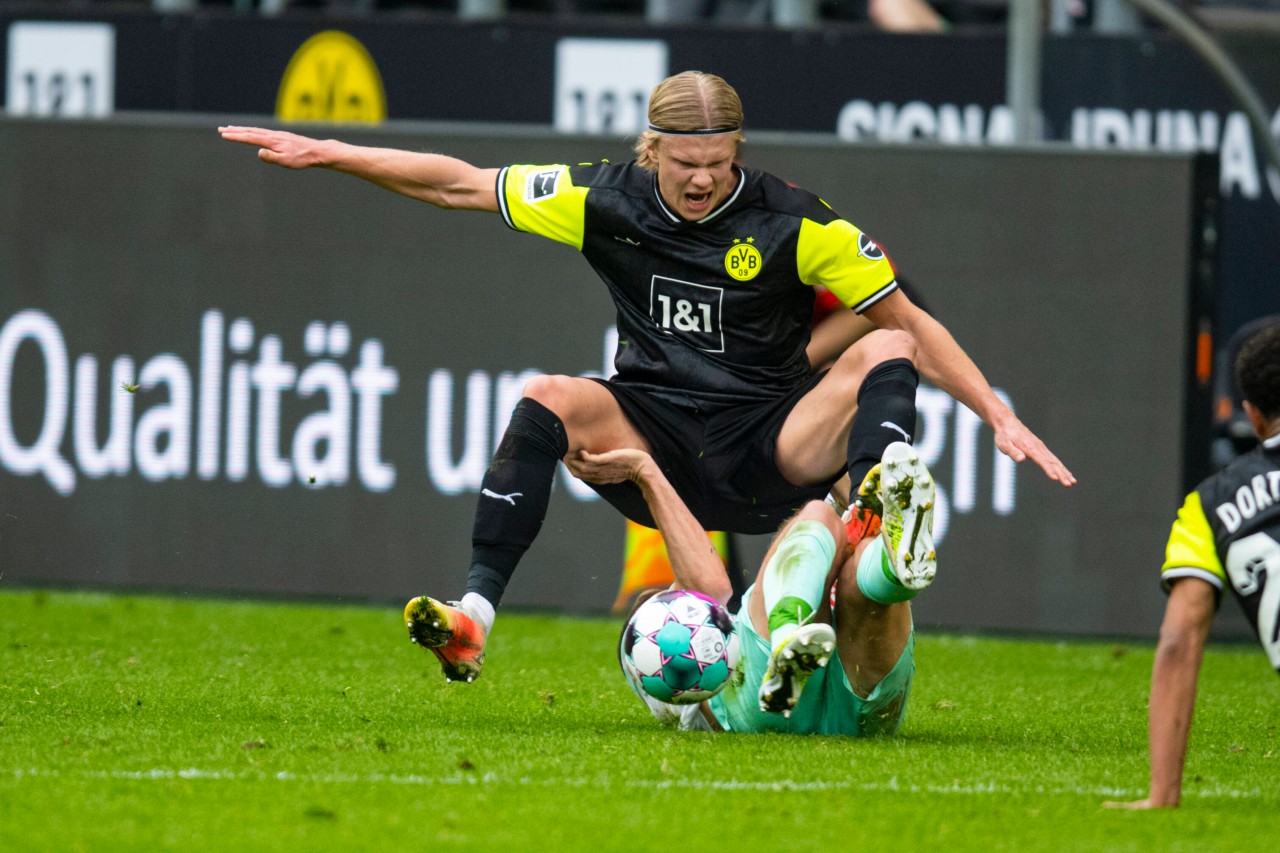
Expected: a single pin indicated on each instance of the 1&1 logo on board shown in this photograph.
(332, 77)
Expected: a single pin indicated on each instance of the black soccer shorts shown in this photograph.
(722, 465)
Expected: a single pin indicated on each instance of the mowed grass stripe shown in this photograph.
(143, 723)
(461, 779)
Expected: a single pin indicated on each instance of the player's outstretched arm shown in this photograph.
(434, 178)
(694, 560)
(1183, 633)
(942, 361)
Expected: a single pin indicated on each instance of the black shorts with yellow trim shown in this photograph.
(723, 465)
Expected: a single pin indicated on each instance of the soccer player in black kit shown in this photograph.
(711, 266)
(1226, 537)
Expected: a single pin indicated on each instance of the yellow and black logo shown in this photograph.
(743, 260)
(332, 78)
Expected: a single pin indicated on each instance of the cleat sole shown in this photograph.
(429, 627)
(908, 520)
(807, 651)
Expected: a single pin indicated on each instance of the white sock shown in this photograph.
(479, 609)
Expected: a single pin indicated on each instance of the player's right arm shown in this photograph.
(694, 560)
(1193, 576)
(1183, 634)
(434, 178)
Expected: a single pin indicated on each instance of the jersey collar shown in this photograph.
(723, 206)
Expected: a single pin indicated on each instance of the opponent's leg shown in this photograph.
(790, 590)
(887, 568)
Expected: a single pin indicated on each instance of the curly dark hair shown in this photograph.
(1258, 370)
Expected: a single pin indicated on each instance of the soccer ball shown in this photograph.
(679, 647)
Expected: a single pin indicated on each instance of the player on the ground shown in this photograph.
(827, 589)
(710, 265)
(1227, 535)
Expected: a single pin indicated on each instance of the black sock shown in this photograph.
(887, 396)
(514, 496)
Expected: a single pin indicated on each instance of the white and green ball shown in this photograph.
(680, 647)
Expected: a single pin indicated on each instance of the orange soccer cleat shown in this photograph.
(862, 518)
(448, 632)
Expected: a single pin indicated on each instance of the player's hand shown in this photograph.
(278, 147)
(612, 466)
(1019, 443)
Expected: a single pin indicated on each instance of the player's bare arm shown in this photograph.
(836, 334)
(941, 360)
(1183, 634)
(434, 178)
(694, 560)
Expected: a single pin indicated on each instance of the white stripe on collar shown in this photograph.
(724, 205)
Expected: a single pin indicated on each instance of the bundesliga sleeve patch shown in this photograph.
(540, 186)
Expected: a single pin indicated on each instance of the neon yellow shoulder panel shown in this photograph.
(844, 260)
(543, 200)
(1191, 544)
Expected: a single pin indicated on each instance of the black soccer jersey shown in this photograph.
(1228, 533)
(715, 312)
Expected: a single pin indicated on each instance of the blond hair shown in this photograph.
(688, 102)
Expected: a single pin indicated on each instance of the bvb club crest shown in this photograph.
(743, 261)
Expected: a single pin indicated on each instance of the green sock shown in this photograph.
(795, 576)
(876, 578)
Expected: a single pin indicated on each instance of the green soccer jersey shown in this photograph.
(1228, 533)
(715, 312)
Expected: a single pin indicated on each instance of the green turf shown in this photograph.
(144, 723)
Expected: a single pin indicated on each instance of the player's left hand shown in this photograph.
(1019, 443)
(612, 466)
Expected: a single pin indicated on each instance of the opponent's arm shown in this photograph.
(694, 560)
(834, 335)
(1187, 618)
(434, 178)
(942, 361)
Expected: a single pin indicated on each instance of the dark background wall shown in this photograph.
(1131, 93)
(158, 242)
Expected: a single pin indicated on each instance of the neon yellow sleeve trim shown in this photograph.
(829, 255)
(1191, 542)
(543, 200)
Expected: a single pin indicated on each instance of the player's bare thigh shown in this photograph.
(813, 441)
(592, 418)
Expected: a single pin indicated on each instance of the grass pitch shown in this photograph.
(146, 723)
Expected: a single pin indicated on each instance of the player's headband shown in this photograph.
(710, 131)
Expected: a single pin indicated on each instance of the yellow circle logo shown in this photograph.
(743, 261)
(332, 78)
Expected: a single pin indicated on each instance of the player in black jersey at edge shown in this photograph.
(711, 266)
(1227, 535)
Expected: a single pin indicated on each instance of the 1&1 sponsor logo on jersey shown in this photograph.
(691, 311)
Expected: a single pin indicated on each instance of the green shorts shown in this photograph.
(828, 705)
